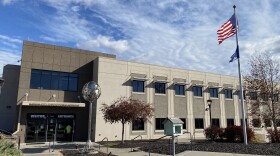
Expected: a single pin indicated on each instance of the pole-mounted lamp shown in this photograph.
(209, 103)
(91, 92)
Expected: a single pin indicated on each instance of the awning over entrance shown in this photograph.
(52, 104)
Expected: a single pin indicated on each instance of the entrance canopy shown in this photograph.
(52, 104)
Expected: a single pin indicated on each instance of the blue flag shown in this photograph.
(235, 55)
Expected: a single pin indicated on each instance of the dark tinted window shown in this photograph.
(216, 122)
(159, 123)
(138, 125)
(213, 92)
(241, 121)
(35, 81)
(46, 79)
(253, 95)
(63, 81)
(179, 89)
(159, 88)
(228, 93)
(52, 80)
(230, 122)
(73, 82)
(199, 124)
(55, 80)
(137, 86)
(197, 91)
(184, 124)
(267, 123)
(256, 122)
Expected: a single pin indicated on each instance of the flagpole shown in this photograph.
(240, 84)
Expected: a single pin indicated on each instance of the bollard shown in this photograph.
(18, 142)
(53, 142)
(49, 146)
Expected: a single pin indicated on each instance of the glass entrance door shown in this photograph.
(36, 131)
(49, 127)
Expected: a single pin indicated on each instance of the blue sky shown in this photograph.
(175, 33)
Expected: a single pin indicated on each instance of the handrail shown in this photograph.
(134, 139)
(103, 141)
(155, 141)
(137, 137)
(191, 139)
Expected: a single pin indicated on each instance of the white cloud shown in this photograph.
(7, 57)
(105, 42)
(7, 38)
(178, 33)
(7, 2)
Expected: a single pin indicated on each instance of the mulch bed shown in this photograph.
(162, 147)
(76, 152)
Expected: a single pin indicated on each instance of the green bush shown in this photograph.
(7, 148)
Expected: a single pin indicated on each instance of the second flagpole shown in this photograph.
(240, 84)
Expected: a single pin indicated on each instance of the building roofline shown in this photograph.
(168, 67)
(58, 47)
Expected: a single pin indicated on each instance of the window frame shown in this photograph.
(159, 90)
(197, 91)
(161, 125)
(228, 93)
(230, 120)
(253, 95)
(184, 126)
(211, 93)
(137, 90)
(216, 122)
(136, 127)
(179, 90)
(197, 123)
(55, 79)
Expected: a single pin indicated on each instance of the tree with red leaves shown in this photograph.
(126, 110)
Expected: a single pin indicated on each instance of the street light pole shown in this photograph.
(209, 102)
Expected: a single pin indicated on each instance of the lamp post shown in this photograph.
(1, 84)
(91, 92)
(209, 102)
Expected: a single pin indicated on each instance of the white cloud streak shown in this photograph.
(178, 33)
(105, 42)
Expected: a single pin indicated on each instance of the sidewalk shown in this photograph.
(44, 150)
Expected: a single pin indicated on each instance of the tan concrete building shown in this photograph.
(45, 97)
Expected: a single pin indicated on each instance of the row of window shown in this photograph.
(160, 88)
(199, 123)
(53, 80)
(139, 124)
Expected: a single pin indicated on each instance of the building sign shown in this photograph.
(66, 116)
(45, 116)
(38, 116)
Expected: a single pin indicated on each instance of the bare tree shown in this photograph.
(126, 110)
(264, 78)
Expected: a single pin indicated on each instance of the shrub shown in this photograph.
(272, 136)
(235, 134)
(216, 132)
(7, 148)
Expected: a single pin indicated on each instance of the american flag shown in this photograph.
(227, 29)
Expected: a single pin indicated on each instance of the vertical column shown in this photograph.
(236, 103)
(150, 100)
(171, 106)
(206, 96)
(190, 119)
(222, 107)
